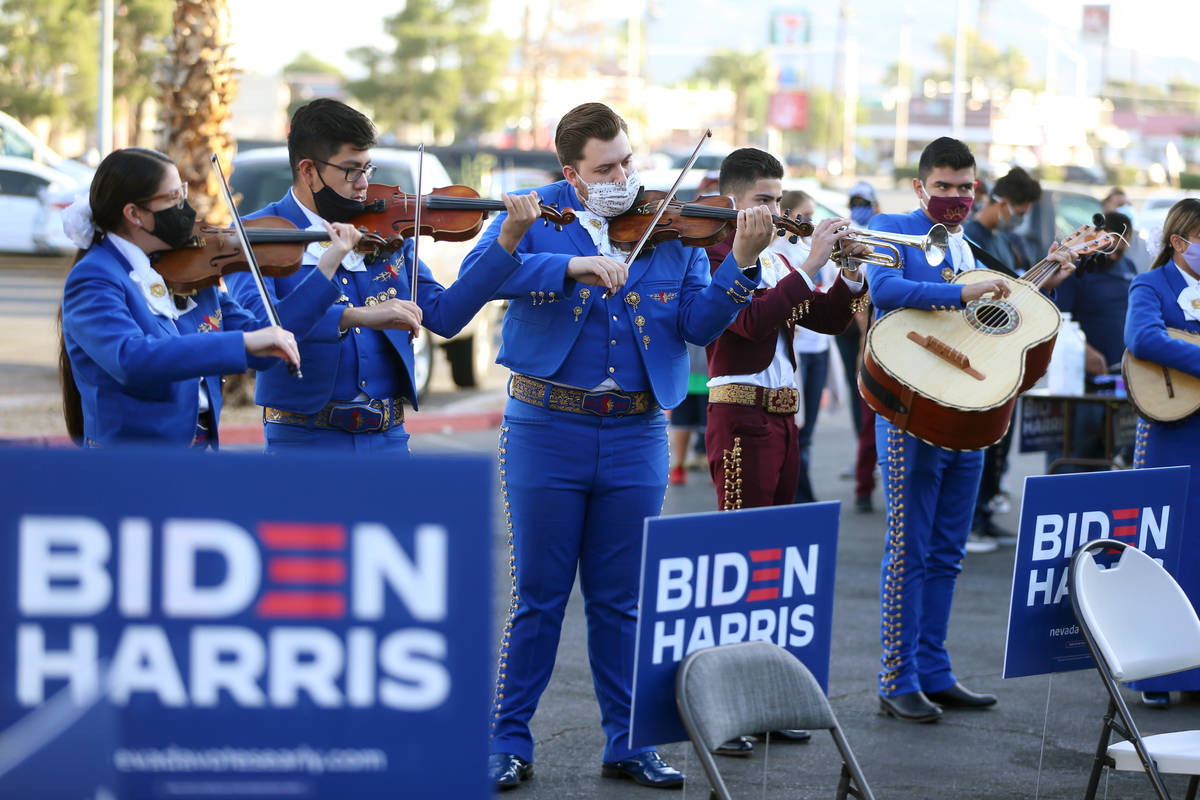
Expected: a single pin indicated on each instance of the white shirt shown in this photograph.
(154, 291)
(960, 252)
(351, 262)
(1189, 298)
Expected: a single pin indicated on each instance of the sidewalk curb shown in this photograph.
(443, 422)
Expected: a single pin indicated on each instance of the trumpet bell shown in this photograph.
(886, 251)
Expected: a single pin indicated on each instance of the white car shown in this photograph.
(32, 197)
(262, 176)
(17, 140)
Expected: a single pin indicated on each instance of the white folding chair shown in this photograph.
(1138, 624)
(736, 689)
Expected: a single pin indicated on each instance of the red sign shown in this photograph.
(788, 111)
(1095, 22)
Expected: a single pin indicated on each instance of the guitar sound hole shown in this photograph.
(992, 316)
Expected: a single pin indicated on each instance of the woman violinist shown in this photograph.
(1168, 296)
(138, 364)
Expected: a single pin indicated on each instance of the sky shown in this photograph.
(1145, 34)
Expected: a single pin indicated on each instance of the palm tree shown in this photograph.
(198, 90)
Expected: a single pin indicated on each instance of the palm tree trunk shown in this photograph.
(198, 92)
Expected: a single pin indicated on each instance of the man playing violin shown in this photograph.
(930, 491)
(597, 350)
(358, 357)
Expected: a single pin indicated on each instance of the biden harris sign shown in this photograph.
(235, 625)
(762, 574)
(1143, 508)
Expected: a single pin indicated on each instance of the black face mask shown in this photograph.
(333, 207)
(174, 225)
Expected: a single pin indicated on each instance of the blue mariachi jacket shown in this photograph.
(541, 326)
(445, 312)
(136, 371)
(915, 284)
(1153, 307)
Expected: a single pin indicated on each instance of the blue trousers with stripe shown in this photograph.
(577, 489)
(930, 495)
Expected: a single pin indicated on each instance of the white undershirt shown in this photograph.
(960, 252)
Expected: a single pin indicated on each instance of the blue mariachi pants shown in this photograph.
(283, 438)
(577, 490)
(930, 495)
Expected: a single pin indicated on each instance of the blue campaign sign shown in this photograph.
(1143, 508)
(724, 577)
(182, 626)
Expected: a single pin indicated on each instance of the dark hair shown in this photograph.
(129, 175)
(1018, 187)
(742, 168)
(1117, 223)
(583, 122)
(1182, 219)
(320, 128)
(944, 152)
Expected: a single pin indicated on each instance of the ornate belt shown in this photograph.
(773, 401)
(375, 416)
(577, 401)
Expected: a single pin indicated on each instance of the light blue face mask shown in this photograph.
(1127, 210)
(861, 215)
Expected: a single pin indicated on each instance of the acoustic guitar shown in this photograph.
(1161, 394)
(952, 377)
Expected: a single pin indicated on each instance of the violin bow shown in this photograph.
(637, 248)
(272, 314)
(417, 221)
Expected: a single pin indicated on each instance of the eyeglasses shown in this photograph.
(352, 173)
(177, 196)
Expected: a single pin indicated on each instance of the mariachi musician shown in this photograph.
(930, 491)
(358, 357)
(138, 363)
(1167, 296)
(597, 351)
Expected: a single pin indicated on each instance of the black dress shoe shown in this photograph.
(738, 746)
(959, 696)
(506, 771)
(648, 769)
(995, 532)
(793, 736)
(910, 707)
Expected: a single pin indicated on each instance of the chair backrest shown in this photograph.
(735, 689)
(1141, 622)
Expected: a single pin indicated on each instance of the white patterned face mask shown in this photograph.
(611, 199)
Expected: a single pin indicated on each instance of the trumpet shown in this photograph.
(933, 244)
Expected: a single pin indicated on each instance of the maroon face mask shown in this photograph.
(950, 211)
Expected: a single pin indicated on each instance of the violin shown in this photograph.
(704, 221)
(213, 252)
(449, 214)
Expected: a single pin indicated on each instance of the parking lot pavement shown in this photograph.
(1036, 743)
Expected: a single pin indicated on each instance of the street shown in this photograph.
(1036, 743)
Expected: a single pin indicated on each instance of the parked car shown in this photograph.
(263, 175)
(17, 140)
(30, 220)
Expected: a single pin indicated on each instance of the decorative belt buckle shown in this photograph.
(606, 403)
(782, 401)
(356, 418)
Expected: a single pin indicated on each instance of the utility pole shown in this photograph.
(104, 112)
(839, 65)
(903, 93)
(958, 107)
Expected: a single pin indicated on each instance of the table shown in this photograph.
(1046, 424)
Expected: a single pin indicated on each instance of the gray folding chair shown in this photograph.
(1138, 624)
(736, 689)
